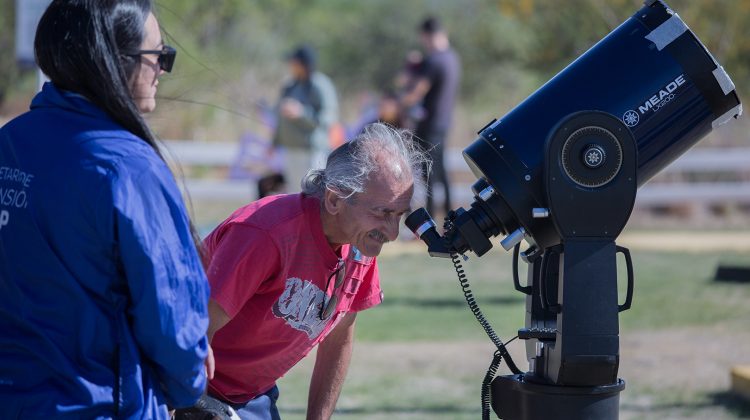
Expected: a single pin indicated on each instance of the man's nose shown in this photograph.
(391, 230)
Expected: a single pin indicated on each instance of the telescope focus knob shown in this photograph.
(594, 156)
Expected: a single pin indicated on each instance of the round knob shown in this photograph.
(594, 156)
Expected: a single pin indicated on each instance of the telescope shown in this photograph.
(561, 171)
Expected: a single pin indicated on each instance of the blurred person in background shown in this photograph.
(291, 272)
(388, 111)
(306, 112)
(436, 88)
(405, 81)
(103, 298)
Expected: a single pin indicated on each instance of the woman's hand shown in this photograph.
(210, 365)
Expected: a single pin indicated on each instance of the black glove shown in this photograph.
(207, 408)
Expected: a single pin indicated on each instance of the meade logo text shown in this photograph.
(664, 96)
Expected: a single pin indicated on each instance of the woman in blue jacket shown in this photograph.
(102, 293)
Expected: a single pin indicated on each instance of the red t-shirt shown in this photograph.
(268, 266)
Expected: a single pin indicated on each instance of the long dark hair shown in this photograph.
(83, 47)
(80, 46)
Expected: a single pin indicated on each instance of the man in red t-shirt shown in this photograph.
(289, 272)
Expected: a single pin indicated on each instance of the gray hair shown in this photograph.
(378, 147)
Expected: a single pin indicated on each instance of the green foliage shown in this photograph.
(231, 51)
(508, 48)
(8, 69)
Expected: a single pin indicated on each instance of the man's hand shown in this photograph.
(291, 108)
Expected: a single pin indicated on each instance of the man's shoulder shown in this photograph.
(453, 57)
(322, 82)
(320, 77)
(445, 58)
(267, 218)
(271, 212)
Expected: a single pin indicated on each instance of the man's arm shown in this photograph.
(417, 93)
(331, 364)
(217, 319)
(306, 116)
(329, 103)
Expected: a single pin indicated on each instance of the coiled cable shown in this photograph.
(502, 351)
(474, 307)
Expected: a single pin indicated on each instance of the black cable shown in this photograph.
(487, 383)
(511, 340)
(474, 307)
(501, 351)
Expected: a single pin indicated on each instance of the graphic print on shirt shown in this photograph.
(299, 305)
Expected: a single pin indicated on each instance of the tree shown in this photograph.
(8, 66)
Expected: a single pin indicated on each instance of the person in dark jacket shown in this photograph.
(103, 297)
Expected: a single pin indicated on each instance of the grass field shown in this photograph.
(421, 354)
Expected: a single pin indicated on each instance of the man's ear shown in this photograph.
(332, 202)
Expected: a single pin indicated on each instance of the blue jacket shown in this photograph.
(103, 300)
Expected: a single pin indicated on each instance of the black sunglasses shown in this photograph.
(329, 304)
(166, 56)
